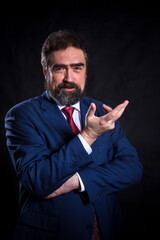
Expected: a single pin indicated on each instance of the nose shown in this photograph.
(68, 75)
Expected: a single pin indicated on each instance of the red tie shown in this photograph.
(96, 233)
(68, 111)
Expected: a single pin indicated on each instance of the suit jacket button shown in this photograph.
(101, 193)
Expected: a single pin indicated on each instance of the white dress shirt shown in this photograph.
(77, 120)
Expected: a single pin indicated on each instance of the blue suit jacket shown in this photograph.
(45, 153)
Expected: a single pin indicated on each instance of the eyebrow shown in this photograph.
(71, 65)
(77, 64)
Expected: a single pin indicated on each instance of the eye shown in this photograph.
(58, 69)
(77, 68)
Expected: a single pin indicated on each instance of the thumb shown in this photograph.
(91, 110)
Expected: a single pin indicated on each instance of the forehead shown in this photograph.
(67, 56)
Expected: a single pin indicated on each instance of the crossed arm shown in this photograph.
(49, 171)
(95, 127)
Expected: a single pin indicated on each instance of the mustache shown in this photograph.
(67, 85)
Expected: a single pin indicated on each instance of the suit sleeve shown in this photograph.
(121, 172)
(39, 169)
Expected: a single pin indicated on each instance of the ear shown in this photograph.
(44, 72)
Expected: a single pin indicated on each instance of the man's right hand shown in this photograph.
(96, 126)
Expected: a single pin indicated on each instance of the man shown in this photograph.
(70, 162)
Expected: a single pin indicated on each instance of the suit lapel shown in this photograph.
(52, 114)
(84, 106)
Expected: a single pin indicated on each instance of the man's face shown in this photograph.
(66, 75)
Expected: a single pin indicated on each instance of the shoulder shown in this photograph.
(26, 107)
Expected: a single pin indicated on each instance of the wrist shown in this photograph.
(90, 138)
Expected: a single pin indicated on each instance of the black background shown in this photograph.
(123, 39)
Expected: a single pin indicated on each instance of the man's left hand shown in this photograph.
(70, 185)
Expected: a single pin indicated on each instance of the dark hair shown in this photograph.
(61, 40)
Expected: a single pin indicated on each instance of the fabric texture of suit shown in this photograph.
(45, 153)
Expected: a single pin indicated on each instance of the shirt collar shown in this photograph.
(76, 106)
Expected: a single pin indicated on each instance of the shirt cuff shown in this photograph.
(85, 144)
(81, 183)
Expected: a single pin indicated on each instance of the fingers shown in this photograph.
(112, 114)
(119, 110)
(52, 195)
(106, 108)
(91, 110)
(119, 114)
(116, 112)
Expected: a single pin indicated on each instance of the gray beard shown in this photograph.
(64, 98)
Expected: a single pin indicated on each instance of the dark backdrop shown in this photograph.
(124, 57)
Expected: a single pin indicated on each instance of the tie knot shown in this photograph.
(68, 111)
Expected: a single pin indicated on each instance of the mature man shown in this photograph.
(70, 154)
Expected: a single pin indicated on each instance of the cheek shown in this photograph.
(55, 80)
(82, 82)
